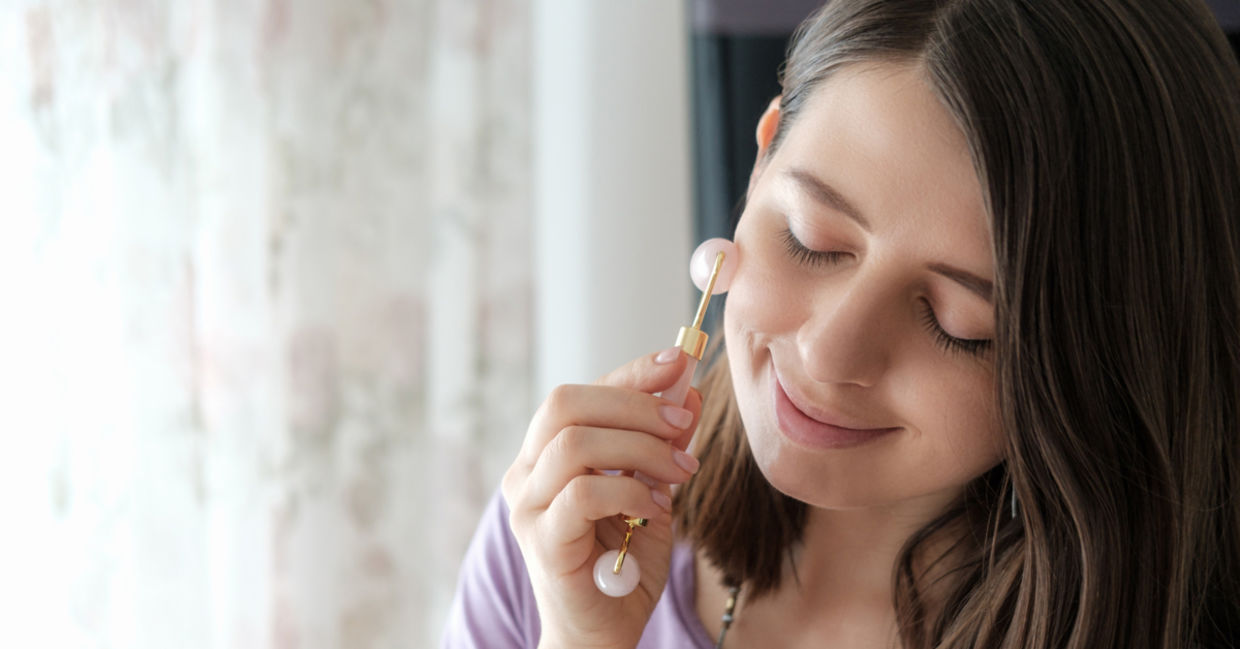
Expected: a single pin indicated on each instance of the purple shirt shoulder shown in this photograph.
(494, 607)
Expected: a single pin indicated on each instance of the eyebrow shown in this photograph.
(829, 196)
(984, 288)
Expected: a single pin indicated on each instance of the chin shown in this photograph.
(807, 476)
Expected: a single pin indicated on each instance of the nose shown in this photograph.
(848, 337)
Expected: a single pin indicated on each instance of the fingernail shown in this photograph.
(668, 355)
(661, 499)
(686, 461)
(678, 417)
(644, 479)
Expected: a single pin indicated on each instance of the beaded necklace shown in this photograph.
(728, 610)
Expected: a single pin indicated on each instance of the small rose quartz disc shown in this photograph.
(610, 583)
(703, 262)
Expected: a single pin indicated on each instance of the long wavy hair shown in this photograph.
(1106, 136)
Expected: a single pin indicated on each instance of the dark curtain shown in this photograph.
(737, 48)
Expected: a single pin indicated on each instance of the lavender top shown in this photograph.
(494, 606)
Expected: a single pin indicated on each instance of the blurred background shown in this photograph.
(283, 281)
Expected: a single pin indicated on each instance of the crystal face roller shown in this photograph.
(713, 263)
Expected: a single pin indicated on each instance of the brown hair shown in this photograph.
(1106, 136)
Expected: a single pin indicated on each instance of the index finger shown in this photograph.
(620, 400)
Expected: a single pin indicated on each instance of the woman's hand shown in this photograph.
(565, 512)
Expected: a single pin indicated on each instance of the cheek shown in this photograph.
(763, 299)
(958, 422)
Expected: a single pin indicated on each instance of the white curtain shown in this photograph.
(269, 308)
(266, 346)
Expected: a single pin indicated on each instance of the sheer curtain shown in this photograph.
(267, 343)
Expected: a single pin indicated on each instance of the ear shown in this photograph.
(767, 124)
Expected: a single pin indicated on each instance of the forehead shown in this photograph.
(878, 134)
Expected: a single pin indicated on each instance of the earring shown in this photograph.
(1013, 501)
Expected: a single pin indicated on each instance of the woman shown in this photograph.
(982, 362)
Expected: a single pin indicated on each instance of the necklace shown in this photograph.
(728, 610)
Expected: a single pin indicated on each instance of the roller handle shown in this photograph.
(677, 393)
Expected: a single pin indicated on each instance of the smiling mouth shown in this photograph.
(807, 431)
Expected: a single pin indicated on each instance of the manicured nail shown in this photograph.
(686, 461)
(661, 499)
(668, 355)
(677, 417)
(644, 479)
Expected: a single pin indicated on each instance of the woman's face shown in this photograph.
(861, 299)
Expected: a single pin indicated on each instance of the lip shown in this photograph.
(813, 432)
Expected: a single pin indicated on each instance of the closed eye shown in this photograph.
(807, 256)
(973, 346)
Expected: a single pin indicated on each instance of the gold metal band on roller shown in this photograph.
(692, 341)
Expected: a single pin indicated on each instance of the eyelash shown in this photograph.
(816, 258)
(806, 256)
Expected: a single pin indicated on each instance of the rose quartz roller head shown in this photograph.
(702, 265)
(711, 267)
